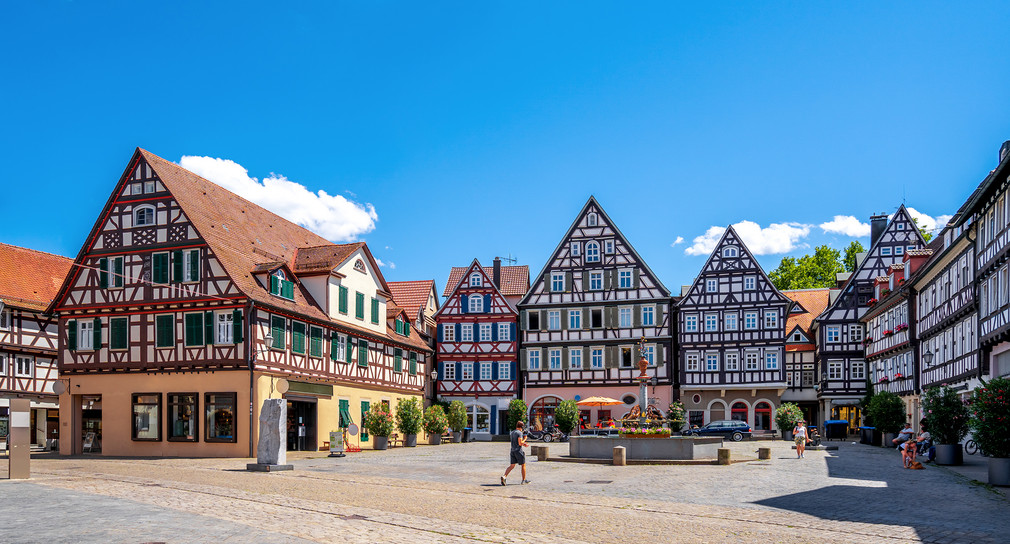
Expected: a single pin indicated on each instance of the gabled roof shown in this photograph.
(413, 295)
(515, 279)
(978, 197)
(463, 278)
(813, 301)
(323, 259)
(716, 253)
(29, 279)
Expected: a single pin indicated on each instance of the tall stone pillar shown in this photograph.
(19, 439)
(271, 451)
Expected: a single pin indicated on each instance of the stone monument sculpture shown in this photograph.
(271, 451)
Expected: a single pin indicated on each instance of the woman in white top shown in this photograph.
(800, 437)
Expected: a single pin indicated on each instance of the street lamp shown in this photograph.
(927, 358)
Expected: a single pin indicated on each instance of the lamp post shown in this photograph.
(434, 385)
(927, 358)
(643, 382)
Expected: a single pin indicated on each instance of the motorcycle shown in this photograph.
(555, 433)
(534, 434)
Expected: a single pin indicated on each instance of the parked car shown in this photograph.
(727, 428)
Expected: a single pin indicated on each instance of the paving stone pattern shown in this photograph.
(450, 493)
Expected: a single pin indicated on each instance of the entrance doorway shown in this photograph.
(301, 425)
(763, 416)
(91, 423)
(739, 412)
(542, 413)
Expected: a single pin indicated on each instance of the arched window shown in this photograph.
(475, 279)
(763, 416)
(591, 220)
(143, 216)
(476, 304)
(542, 412)
(729, 251)
(592, 252)
(739, 412)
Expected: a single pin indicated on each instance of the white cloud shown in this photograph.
(392, 265)
(773, 239)
(679, 240)
(847, 225)
(331, 216)
(383, 264)
(926, 222)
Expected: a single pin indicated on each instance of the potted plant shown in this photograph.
(566, 416)
(947, 423)
(408, 419)
(457, 420)
(787, 417)
(517, 412)
(644, 432)
(676, 415)
(990, 424)
(435, 423)
(379, 423)
(888, 414)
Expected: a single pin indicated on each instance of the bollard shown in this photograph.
(620, 456)
(764, 453)
(541, 452)
(723, 456)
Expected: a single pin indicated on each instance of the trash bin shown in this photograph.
(869, 435)
(836, 429)
(466, 434)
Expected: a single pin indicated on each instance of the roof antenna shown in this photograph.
(510, 259)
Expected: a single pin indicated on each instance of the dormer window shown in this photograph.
(729, 252)
(281, 286)
(591, 220)
(592, 252)
(476, 304)
(143, 216)
(475, 279)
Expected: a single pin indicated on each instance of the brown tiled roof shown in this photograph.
(515, 279)
(322, 259)
(266, 267)
(29, 278)
(814, 301)
(251, 232)
(411, 295)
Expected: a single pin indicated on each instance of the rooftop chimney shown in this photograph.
(877, 225)
(1003, 150)
(497, 272)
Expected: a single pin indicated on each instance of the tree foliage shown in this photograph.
(888, 412)
(566, 415)
(517, 412)
(855, 248)
(926, 235)
(409, 415)
(457, 416)
(809, 271)
(946, 415)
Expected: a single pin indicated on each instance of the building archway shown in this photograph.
(716, 411)
(740, 412)
(763, 416)
(542, 412)
(478, 418)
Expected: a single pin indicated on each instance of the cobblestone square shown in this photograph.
(451, 493)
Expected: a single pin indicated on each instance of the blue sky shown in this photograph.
(448, 131)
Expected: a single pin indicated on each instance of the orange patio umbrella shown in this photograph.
(599, 401)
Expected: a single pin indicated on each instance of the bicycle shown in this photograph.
(970, 447)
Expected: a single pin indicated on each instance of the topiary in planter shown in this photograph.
(676, 415)
(408, 416)
(888, 412)
(457, 416)
(946, 415)
(566, 415)
(379, 421)
(990, 417)
(787, 416)
(435, 421)
(517, 412)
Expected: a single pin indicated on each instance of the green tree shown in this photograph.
(566, 415)
(809, 271)
(926, 235)
(517, 412)
(855, 248)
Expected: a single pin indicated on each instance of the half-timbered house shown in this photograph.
(188, 305)
(476, 349)
(946, 318)
(801, 345)
(29, 280)
(583, 318)
(988, 208)
(840, 334)
(731, 337)
(419, 299)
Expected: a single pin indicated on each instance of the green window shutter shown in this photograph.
(348, 357)
(117, 272)
(288, 289)
(364, 410)
(636, 315)
(103, 272)
(522, 359)
(333, 345)
(564, 359)
(413, 363)
(297, 337)
(160, 268)
(316, 342)
(375, 310)
(177, 266)
(275, 285)
(634, 279)
(119, 333)
(543, 320)
(406, 329)
(164, 330)
(359, 305)
(194, 329)
(277, 330)
(97, 334)
(342, 299)
(194, 265)
(345, 413)
(568, 282)
(522, 319)
(586, 357)
(363, 352)
(564, 320)
(398, 360)
(237, 326)
(208, 326)
(72, 334)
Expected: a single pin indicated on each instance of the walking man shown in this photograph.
(517, 456)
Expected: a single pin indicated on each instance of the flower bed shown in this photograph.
(634, 432)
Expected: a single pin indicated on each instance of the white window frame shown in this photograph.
(533, 359)
(750, 321)
(885, 251)
(557, 282)
(692, 362)
(899, 251)
(752, 360)
(190, 270)
(596, 281)
(771, 319)
(575, 319)
(834, 370)
(467, 374)
(857, 370)
(711, 322)
(712, 285)
(855, 332)
(731, 321)
(476, 279)
(624, 317)
(690, 323)
(554, 320)
(504, 370)
(449, 370)
(504, 332)
(85, 334)
(224, 328)
(730, 252)
(576, 249)
(340, 344)
(749, 283)
(649, 352)
(485, 371)
(554, 359)
(648, 316)
(24, 366)
(592, 252)
(448, 332)
(466, 332)
(732, 361)
(624, 279)
(608, 247)
(145, 208)
(3, 364)
(475, 304)
(591, 219)
(596, 358)
(575, 358)
(485, 332)
(6, 319)
(771, 360)
(711, 362)
(833, 334)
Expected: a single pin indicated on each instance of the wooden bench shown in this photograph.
(393, 439)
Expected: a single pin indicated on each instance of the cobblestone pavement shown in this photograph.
(450, 493)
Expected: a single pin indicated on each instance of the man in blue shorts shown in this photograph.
(517, 456)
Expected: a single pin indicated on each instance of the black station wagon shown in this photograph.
(727, 428)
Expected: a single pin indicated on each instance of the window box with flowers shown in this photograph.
(885, 292)
(898, 375)
(888, 332)
(883, 379)
(901, 327)
(871, 302)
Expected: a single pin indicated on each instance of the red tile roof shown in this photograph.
(412, 295)
(322, 259)
(29, 279)
(814, 301)
(515, 279)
